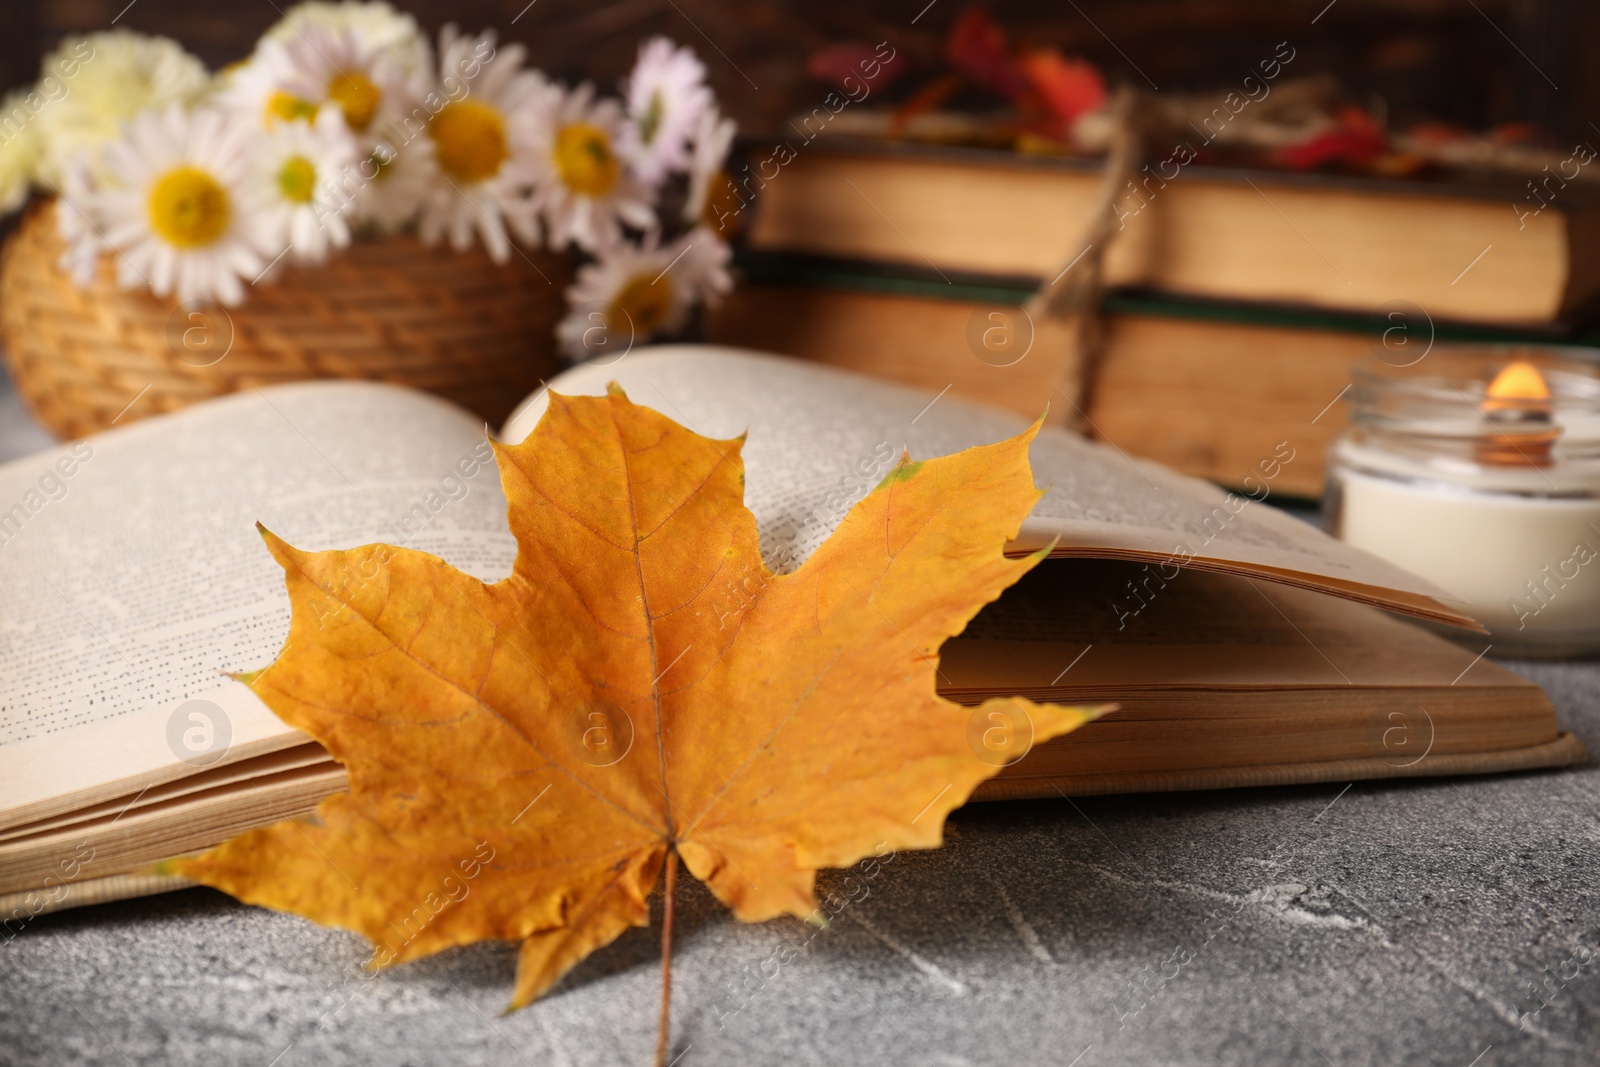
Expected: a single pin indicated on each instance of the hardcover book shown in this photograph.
(1205, 387)
(1475, 252)
(1243, 646)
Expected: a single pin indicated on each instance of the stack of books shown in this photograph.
(1238, 301)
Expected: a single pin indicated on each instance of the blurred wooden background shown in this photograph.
(1472, 62)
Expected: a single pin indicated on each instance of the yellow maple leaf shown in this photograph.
(526, 756)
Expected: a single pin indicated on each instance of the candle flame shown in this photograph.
(1517, 384)
(1518, 407)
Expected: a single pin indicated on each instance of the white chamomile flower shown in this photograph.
(630, 294)
(376, 22)
(108, 78)
(666, 96)
(19, 147)
(395, 182)
(702, 267)
(621, 299)
(79, 231)
(708, 175)
(484, 147)
(585, 191)
(373, 74)
(176, 216)
(295, 194)
(254, 89)
(375, 85)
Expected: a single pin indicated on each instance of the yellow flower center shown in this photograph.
(297, 180)
(584, 157)
(469, 139)
(640, 306)
(382, 164)
(650, 121)
(188, 207)
(286, 107)
(354, 92)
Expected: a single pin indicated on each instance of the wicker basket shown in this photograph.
(457, 324)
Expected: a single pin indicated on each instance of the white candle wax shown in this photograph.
(1478, 468)
(1517, 545)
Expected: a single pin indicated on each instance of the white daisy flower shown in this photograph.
(709, 194)
(620, 300)
(279, 84)
(376, 22)
(176, 214)
(294, 195)
(666, 96)
(20, 147)
(371, 83)
(630, 294)
(703, 266)
(79, 231)
(394, 184)
(115, 76)
(254, 89)
(485, 149)
(585, 192)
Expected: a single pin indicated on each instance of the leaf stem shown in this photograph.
(671, 893)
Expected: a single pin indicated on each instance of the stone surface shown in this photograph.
(19, 434)
(1379, 923)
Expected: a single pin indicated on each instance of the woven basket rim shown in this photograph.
(450, 322)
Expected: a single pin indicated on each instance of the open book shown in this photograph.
(1243, 646)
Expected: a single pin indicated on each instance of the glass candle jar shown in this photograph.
(1478, 468)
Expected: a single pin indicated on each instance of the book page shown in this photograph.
(821, 438)
(1112, 626)
(1215, 671)
(133, 580)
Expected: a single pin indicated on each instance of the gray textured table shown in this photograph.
(1383, 923)
(1452, 922)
